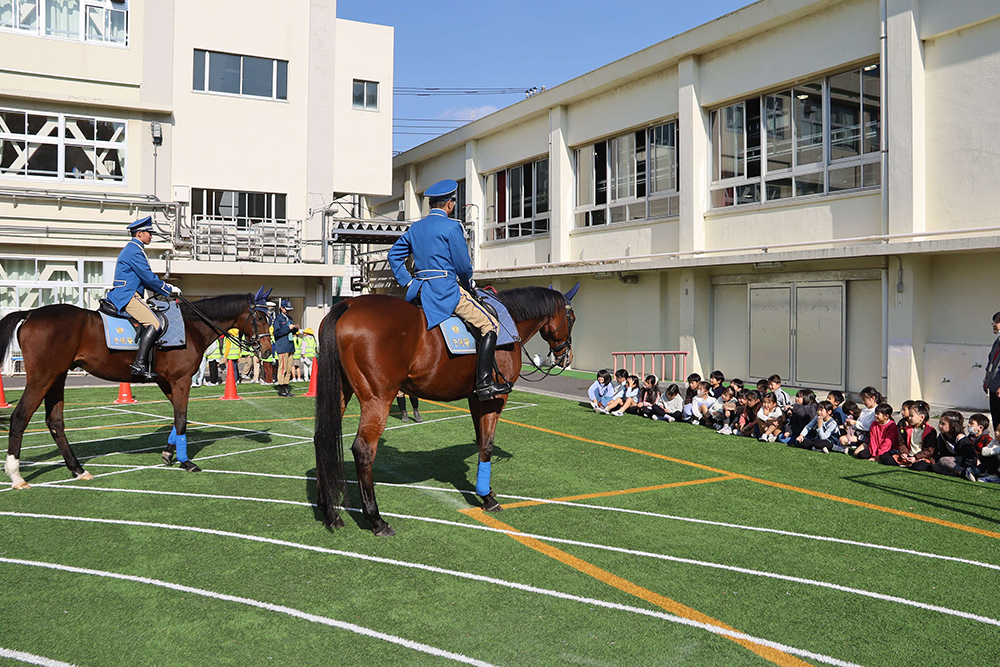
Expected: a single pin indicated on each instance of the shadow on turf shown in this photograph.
(984, 512)
(449, 465)
(157, 442)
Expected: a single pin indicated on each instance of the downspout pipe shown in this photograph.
(884, 148)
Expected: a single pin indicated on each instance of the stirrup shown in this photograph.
(492, 390)
(141, 371)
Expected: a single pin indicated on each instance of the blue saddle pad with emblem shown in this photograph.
(120, 334)
(460, 341)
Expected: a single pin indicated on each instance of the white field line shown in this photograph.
(267, 606)
(96, 428)
(32, 659)
(301, 441)
(458, 574)
(631, 552)
(114, 437)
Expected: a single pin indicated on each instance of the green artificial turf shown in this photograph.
(546, 448)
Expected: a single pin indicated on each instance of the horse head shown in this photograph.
(558, 331)
(254, 323)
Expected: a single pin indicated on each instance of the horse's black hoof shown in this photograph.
(190, 466)
(385, 531)
(490, 503)
(338, 522)
(168, 457)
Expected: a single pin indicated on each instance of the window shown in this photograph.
(248, 76)
(60, 147)
(100, 21)
(246, 208)
(628, 177)
(459, 212)
(365, 95)
(517, 201)
(816, 138)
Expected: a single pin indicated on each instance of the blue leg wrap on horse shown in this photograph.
(182, 447)
(483, 479)
(172, 440)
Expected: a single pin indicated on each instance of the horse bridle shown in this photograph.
(252, 310)
(255, 337)
(560, 350)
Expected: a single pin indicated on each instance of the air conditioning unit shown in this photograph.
(182, 194)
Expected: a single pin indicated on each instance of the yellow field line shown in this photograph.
(767, 482)
(622, 492)
(672, 606)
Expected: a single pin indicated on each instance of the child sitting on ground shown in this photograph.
(692, 390)
(648, 396)
(904, 415)
(747, 424)
(601, 392)
(836, 398)
(917, 442)
(851, 411)
(988, 467)
(722, 410)
(962, 461)
(883, 436)
(670, 406)
(769, 418)
(800, 413)
(701, 403)
(629, 398)
(871, 398)
(780, 395)
(951, 427)
(715, 380)
(820, 434)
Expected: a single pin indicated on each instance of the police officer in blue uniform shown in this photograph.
(284, 346)
(132, 273)
(443, 279)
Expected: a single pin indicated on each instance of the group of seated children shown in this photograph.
(769, 414)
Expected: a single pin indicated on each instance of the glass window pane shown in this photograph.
(279, 206)
(62, 18)
(110, 164)
(640, 164)
(748, 194)
(6, 13)
(845, 116)
(872, 174)
(872, 113)
(17, 269)
(732, 148)
(282, 92)
(780, 188)
(110, 131)
(752, 107)
(515, 192)
(542, 186)
(95, 23)
(845, 179)
(116, 26)
(528, 176)
(43, 160)
(13, 157)
(623, 167)
(663, 154)
(358, 99)
(584, 174)
(809, 123)
(371, 95)
(80, 128)
(12, 122)
(223, 73)
(659, 208)
(810, 184)
(778, 112)
(43, 126)
(722, 198)
(199, 70)
(601, 173)
(26, 14)
(258, 76)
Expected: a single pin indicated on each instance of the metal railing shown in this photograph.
(630, 359)
(247, 240)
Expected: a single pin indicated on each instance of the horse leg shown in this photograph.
(373, 416)
(177, 393)
(54, 403)
(486, 426)
(32, 397)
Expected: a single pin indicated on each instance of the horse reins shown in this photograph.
(254, 340)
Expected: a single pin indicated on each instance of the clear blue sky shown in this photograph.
(511, 44)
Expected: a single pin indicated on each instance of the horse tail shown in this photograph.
(7, 327)
(331, 487)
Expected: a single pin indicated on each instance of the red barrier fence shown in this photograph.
(630, 359)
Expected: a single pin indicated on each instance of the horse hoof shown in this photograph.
(190, 466)
(20, 486)
(385, 531)
(85, 476)
(490, 503)
(338, 522)
(168, 457)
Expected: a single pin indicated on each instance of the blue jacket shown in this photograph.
(283, 343)
(132, 272)
(441, 260)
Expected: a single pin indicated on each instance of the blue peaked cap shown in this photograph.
(143, 225)
(286, 304)
(441, 189)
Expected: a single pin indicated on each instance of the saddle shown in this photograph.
(458, 337)
(120, 331)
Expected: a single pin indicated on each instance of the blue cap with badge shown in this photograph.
(441, 189)
(286, 304)
(143, 225)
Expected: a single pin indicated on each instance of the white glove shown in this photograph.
(175, 290)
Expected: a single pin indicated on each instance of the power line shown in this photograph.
(428, 92)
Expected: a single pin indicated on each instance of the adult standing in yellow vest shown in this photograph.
(232, 352)
(309, 349)
(297, 357)
(269, 362)
(214, 356)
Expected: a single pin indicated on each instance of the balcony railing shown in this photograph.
(247, 240)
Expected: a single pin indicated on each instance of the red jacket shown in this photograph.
(927, 445)
(884, 437)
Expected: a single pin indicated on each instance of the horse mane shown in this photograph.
(527, 303)
(223, 307)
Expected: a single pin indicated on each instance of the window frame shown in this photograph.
(634, 206)
(364, 105)
(40, 26)
(799, 179)
(501, 204)
(205, 66)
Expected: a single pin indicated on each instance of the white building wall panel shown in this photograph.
(446, 165)
(521, 253)
(864, 334)
(730, 342)
(516, 144)
(634, 104)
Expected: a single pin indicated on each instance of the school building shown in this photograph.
(802, 187)
(244, 127)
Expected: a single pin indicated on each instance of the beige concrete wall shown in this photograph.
(730, 321)
(447, 165)
(530, 250)
(520, 143)
(632, 105)
(864, 334)
(963, 128)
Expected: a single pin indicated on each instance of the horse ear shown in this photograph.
(260, 293)
(570, 294)
(268, 293)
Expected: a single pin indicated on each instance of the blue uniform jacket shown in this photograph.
(282, 334)
(441, 260)
(131, 273)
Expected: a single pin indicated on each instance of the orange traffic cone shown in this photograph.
(3, 399)
(231, 394)
(312, 382)
(124, 394)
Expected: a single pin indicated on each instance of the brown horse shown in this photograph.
(373, 346)
(56, 339)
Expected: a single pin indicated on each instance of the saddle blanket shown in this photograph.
(460, 341)
(120, 334)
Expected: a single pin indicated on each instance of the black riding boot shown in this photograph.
(140, 367)
(486, 388)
